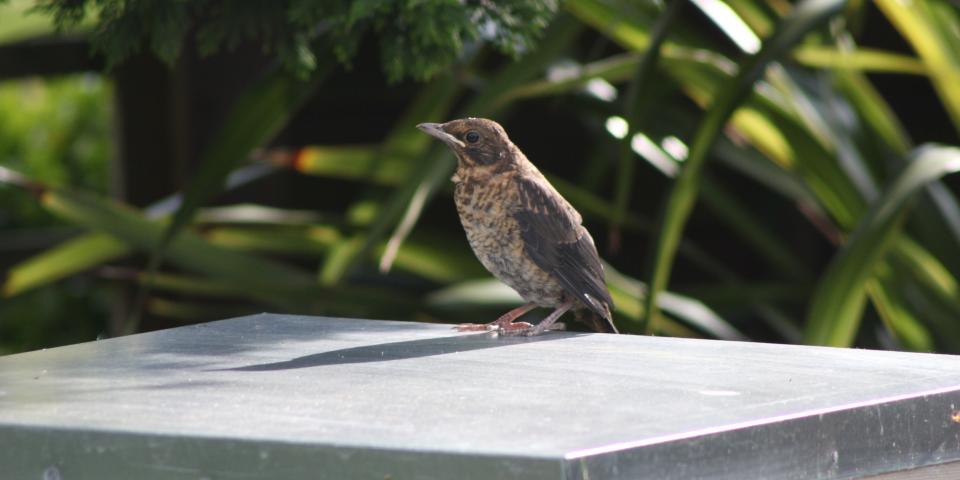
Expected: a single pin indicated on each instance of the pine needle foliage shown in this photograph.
(417, 38)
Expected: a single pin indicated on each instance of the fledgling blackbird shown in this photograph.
(522, 230)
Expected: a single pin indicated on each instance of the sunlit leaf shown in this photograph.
(873, 109)
(68, 258)
(272, 280)
(90, 250)
(356, 162)
(861, 59)
(931, 27)
(629, 294)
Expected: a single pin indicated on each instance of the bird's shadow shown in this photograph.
(385, 352)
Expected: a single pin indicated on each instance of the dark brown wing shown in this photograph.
(554, 239)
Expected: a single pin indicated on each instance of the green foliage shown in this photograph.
(679, 204)
(837, 305)
(15, 24)
(418, 38)
(257, 117)
(54, 132)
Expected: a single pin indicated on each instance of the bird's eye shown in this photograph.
(472, 137)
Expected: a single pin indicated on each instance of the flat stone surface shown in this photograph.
(284, 396)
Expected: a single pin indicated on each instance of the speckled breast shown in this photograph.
(485, 212)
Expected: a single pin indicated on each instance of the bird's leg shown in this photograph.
(505, 322)
(548, 322)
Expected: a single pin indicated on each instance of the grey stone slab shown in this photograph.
(281, 396)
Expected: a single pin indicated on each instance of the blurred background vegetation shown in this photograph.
(751, 169)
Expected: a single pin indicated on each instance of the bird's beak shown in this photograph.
(436, 130)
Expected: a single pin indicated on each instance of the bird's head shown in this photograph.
(478, 143)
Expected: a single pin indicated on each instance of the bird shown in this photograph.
(522, 230)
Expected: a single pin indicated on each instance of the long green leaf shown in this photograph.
(92, 249)
(273, 281)
(838, 300)
(614, 20)
(938, 221)
(775, 130)
(308, 240)
(68, 258)
(818, 112)
(353, 162)
(862, 59)
(873, 109)
(801, 20)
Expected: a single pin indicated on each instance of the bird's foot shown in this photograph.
(505, 322)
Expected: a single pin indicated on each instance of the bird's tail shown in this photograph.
(598, 323)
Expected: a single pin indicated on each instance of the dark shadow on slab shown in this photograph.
(385, 352)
